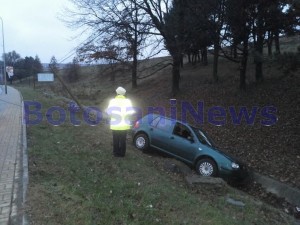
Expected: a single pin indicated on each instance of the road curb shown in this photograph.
(18, 214)
(279, 189)
(25, 177)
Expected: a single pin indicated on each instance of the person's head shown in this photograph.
(120, 91)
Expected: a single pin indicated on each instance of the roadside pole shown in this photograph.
(54, 71)
(4, 67)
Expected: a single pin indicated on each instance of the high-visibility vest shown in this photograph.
(119, 110)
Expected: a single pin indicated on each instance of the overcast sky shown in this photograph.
(32, 28)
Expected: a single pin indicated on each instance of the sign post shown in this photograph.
(10, 73)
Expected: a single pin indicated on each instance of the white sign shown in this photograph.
(45, 77)
(10, 71)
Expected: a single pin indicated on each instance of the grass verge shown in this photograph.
(74, 179)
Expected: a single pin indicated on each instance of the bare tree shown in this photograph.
(204, 26)
(170, 27)
(116, 30)
(218, 22)
(11, 58)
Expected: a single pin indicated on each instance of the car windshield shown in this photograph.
(203, 137)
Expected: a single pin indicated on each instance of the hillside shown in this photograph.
(270, 150)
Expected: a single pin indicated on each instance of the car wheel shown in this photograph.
(141, 142)
(206, 167)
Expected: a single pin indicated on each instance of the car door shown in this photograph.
(161, 133)
(183, 143)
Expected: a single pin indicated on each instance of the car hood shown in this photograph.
(228, 156)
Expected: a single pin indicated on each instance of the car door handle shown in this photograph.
(151, 129)
(171, 137)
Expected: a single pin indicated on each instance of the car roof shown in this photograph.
(155, 115)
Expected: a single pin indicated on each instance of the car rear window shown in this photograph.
(164, 124)
(154, 122)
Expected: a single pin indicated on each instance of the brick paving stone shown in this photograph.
(11, 150)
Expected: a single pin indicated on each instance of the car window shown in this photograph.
(182, 131)
(164, 124)
(154, 122)
(203, 137)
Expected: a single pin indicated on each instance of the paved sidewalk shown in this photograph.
(13, 160)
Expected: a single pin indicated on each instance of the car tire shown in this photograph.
(207, 167)
(141, 142)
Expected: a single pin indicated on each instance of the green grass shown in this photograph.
(74, 179)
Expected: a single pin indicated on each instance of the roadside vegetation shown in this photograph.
(221, 54)
(74, 179)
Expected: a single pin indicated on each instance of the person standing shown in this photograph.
(119, 110)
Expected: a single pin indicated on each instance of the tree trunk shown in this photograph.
(235, 55)
(204, 56)
(270, 42)
(259, 60)
(189, 57)
(134, 72)
(259, 72)
(175, 74)
(259, 66)
(258, 57)
(244, 64)
(233, 50)
(135, 49)
(134, 63)
(216, 61)
(277, 45)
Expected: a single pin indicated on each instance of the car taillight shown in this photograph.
(136, 124)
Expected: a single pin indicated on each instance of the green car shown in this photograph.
(188, 144)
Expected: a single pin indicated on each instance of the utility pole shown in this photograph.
(4, 67)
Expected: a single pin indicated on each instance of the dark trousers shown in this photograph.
(119, 142)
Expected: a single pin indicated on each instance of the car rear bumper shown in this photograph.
(132, 132)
